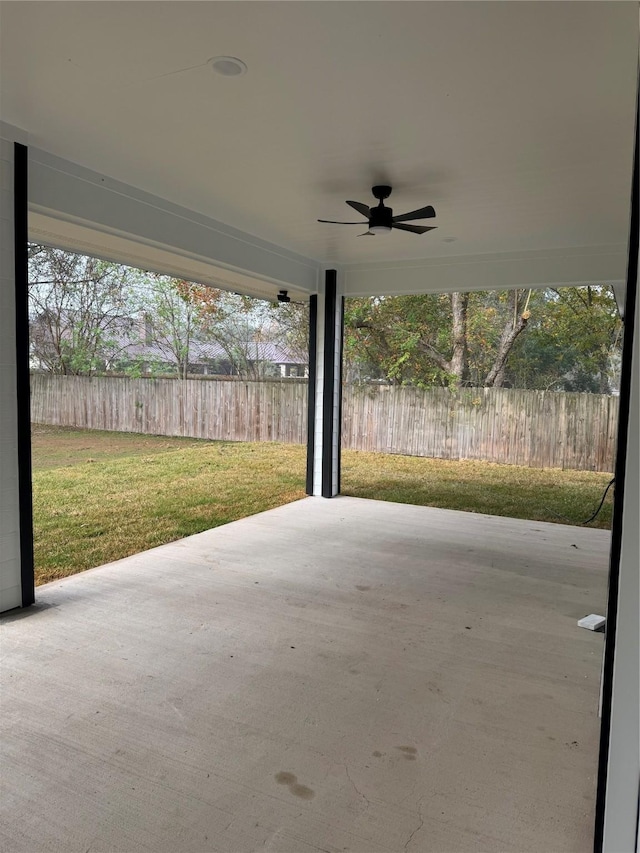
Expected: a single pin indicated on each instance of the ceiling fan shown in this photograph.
(381, 220)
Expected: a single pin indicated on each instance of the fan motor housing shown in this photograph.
(382, 216)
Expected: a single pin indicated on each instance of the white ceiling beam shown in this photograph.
(545, 268)
(82, 210)
(69, 202)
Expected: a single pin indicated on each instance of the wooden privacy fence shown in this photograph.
(536, 428)
(541, 429)
(226, 410)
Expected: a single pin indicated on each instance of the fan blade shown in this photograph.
(361, 208)
(414, 229)
(331, 222)
(422, 213)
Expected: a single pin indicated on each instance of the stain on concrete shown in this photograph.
(408, 752)
(290, 779)
(376, 754)
(362, 588)
(302, 791)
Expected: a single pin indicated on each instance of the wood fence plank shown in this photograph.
(510, 426)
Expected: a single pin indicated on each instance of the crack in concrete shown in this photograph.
(355, 787)
(418, 828)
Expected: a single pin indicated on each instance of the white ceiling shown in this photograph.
(515, 120)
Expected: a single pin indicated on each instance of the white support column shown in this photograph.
(11, 592)
(619, 769)
(319, 396)
(623, 771)
(326, 459)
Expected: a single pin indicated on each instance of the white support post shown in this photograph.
(623, 762)
(619, 768)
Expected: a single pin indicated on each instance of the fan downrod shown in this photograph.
(381, 192)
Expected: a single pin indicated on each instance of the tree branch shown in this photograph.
(429, 350)
(495, 377)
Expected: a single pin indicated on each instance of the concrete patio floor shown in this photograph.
(336, 675)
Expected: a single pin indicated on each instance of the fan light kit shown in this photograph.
(381, 220)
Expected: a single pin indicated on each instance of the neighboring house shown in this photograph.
(272, 358)
(126, 343)
(257, 359)
(68, 342)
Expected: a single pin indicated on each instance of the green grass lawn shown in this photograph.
(540, 494)
(100, 496)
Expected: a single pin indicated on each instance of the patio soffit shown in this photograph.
(514, 120)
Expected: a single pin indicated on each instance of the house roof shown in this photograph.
(201, 351)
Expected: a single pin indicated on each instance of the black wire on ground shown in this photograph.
(592, 517)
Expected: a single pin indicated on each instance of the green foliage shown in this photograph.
(562, 340)
(573, 342)
(291, 319)
(90, 316)
(386, 337)
(176, 312)
(182, 315)
(85, 313)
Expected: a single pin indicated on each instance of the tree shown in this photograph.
(573, 343)
(78, 309)
(182, 316)
(572, 339)
(244, 326)
(291, 327)
(516, 322)
(443, 339)
(89, 316)
(239, 332)
(177, 313)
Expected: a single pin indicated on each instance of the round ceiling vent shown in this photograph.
(228, 66)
